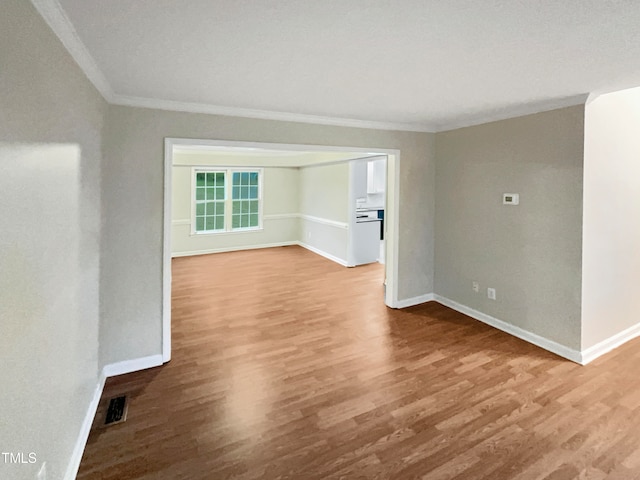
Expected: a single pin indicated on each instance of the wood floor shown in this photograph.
(288, 366)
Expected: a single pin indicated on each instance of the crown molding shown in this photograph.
(192, 107)
(514, 112)
(59, 22)
(57, 19)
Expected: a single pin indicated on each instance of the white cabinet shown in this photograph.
(359, 173)
(376, 175)
(366, 242)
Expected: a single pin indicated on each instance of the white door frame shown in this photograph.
(391, 214)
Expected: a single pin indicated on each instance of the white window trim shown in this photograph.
(228, 218)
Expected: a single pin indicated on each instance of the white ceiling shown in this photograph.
(417, 64)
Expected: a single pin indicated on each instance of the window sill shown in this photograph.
(231, 232)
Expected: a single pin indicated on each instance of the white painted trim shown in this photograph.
(284, 147)
(542, 342)
(192, 107)
(325, 221)
(110, 370)
(410, 302)
(281, 216)
(85, 429)
(228, 200)
(513, 111)
(333, 258)
(166, 250)
(233, 249)
(275, 216)
(55, 16)
(135, 365)
(605, 346)
(392, 230)
(582, 357)
(391, 220)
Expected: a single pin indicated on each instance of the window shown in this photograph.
(227, 200)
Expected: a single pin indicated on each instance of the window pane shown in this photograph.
(211, 208)
(235, 221)
(219, 193)
(219, 222)
(244, 192)
(200, 209)
(220, 208)
(254, 178)
(236, 178)
(236, 206)
(253, 206)
(253, 220)
(245, 178)
(211, 193)
(200, 179)
(199, 224)
(211, 223)
(200, 193)
(253, 192)
(236, 193)
(220, 179)
(245, 207)
(211, 179)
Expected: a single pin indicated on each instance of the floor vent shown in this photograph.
(117, 410)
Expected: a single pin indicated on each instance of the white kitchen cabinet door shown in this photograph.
(376, 176)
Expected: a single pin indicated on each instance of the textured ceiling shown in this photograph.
(424, 64)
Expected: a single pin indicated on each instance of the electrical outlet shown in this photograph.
(475, 286)
(491, 293)
(42, 473)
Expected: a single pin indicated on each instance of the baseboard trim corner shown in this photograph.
(129, 366)
(410, 302)
(324, 254)
(111, 370)
(527, 336)
(605, 346)
(85, 429)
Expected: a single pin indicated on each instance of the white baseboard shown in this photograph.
(233, 249)
(409, 302)
(110, 370)
(542, 342)
(605, 346)
(333, 258)
(128, 366)
(81, 442)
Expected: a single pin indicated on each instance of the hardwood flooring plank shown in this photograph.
(288, 366)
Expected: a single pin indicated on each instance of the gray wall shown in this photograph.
(530, 253)
(132, 187)
(50, 141)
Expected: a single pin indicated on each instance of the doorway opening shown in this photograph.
(214, 202)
